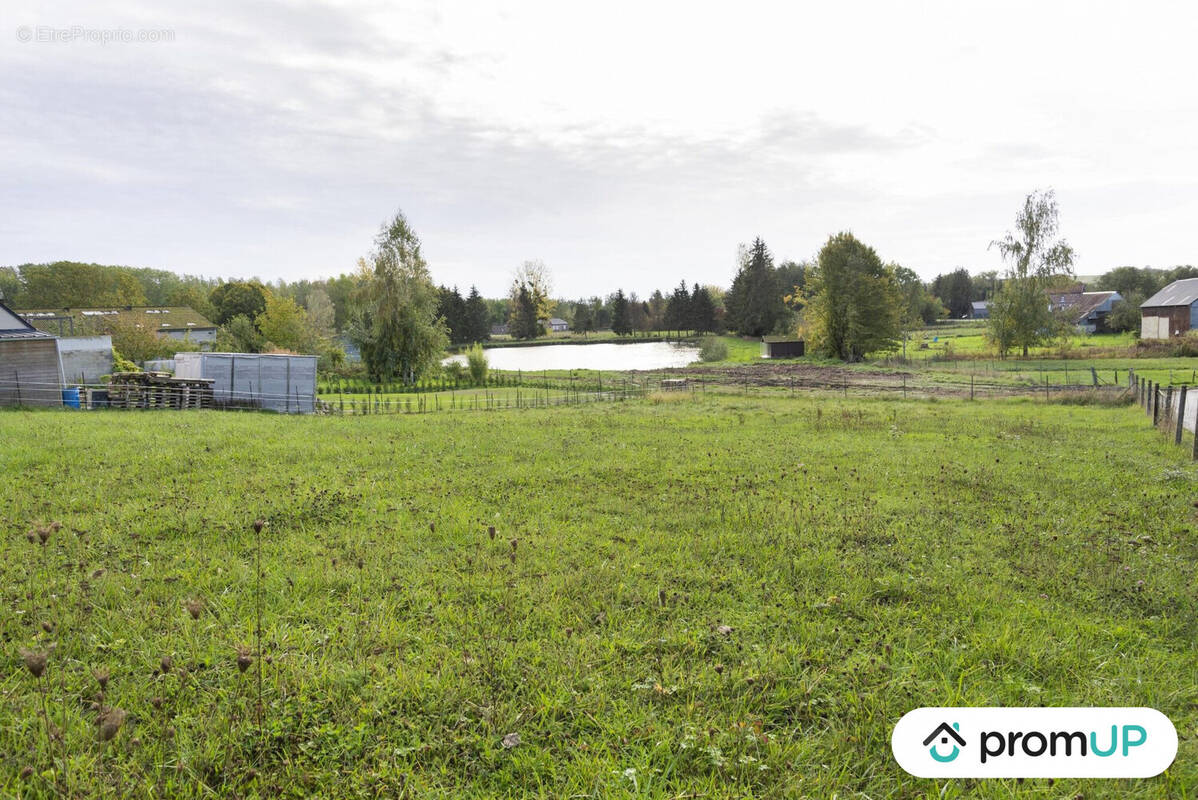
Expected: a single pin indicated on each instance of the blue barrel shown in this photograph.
(70, 397)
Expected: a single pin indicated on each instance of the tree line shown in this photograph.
(845, 302)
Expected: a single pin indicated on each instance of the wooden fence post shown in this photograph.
(1181, 415)
(1156, 404)
(1168, 406)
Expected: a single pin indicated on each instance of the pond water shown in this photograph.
(607, 355)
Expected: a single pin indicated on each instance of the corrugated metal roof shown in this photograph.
(21, 334)
(13, 327)
(1178, 293)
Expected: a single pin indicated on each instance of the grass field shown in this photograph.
(684, 596)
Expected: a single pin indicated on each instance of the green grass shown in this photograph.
(867, 557)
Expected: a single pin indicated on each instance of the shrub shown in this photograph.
(476, 362)
(713, 348)
(453, 371)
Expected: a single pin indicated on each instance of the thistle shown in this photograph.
(110, 721)
(194, 607)
(35, 661)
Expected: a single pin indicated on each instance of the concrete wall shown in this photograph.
(85, 358)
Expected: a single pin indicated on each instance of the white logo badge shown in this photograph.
(1034, 742)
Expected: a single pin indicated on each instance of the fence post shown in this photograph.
(1181, 415)
(1156, 404)
(1168, 406)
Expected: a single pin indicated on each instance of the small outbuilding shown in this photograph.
(270, 381)
(1170, 312)
(557, 324)
(979, 309)
(782, 347)
(30, 367)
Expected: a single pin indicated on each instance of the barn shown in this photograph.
(30, 367)
(1170, 312)
(270, 381)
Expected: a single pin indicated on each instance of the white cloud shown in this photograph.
(623, 143)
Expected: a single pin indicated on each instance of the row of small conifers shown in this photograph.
(1167, 405)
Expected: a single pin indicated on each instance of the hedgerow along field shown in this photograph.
(685, 595)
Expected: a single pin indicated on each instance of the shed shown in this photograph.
(1170, 312)
(30, 367)
(557, 324)
(271, 381)
(979, 309)
(782, 347)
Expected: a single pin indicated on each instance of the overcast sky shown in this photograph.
(624, 144)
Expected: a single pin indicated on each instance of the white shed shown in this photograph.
(270, 381)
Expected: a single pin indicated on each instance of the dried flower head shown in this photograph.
(26, 773)
(194, 607)
(491, 531)
(166, 663)
(101, 676)
(35, 661)
(43, 534)
(244, 659)
(156, 701)
(110, 722)
(259, 524)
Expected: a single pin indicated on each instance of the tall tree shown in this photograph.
(478, 326)
(395, 325)
(1020, 315)
(584, 317)
(621, 324)
(956, 291)
(452, 308)
(754, 302)
(525, 321)
(238, 299)
(854, 306)
(285, 325)
(678, 309)
(657, 310)
(702, 310)
(535, 277)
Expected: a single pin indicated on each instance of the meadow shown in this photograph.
(681, 595)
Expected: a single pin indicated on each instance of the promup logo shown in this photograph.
(1034, 742)
(945, 733)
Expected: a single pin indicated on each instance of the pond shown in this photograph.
(606, 355)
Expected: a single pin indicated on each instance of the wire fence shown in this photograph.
(540, 391)
(1172, 409)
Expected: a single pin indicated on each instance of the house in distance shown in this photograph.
(1170, 312)
(1087, 310)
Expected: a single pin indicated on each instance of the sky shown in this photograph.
(624, 144)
